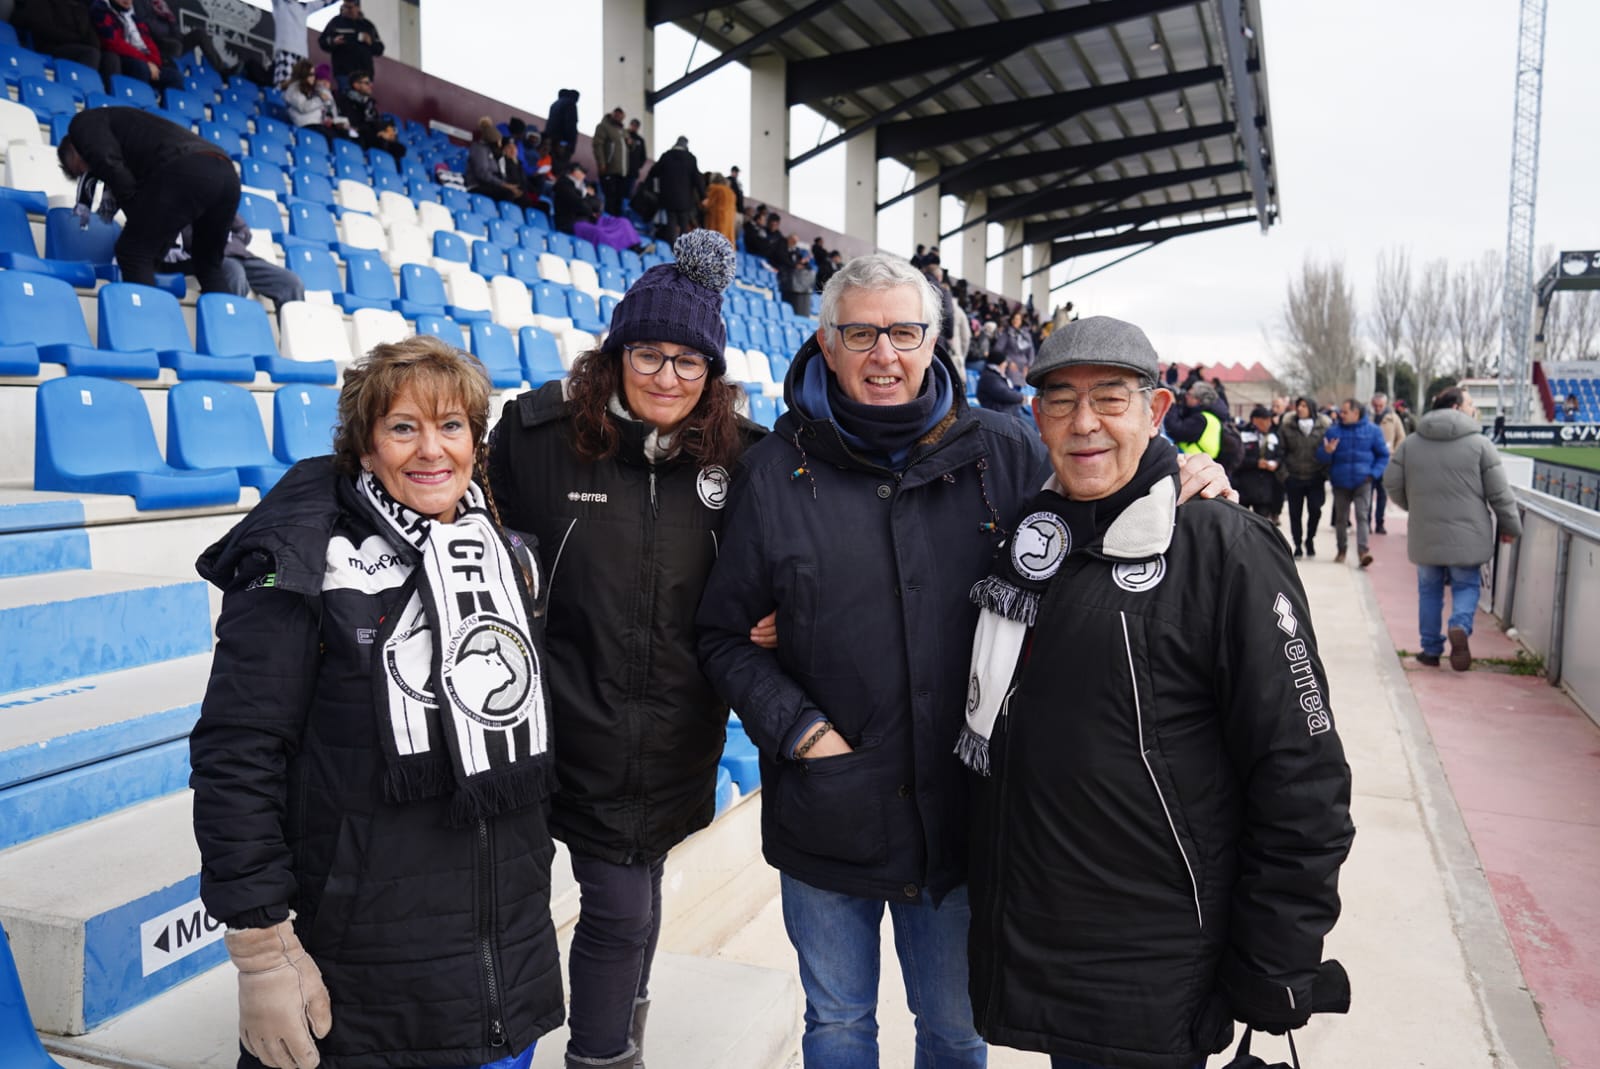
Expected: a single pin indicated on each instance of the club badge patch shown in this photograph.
(491, 673)
(1138, 576)
(712, 486)
(1041, 543)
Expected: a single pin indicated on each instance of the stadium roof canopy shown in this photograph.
(1096, 124)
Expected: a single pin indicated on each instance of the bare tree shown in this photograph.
(1425, 324)
(1572, 329)
(1474, 313)
(1391, 297)
(1319, 329)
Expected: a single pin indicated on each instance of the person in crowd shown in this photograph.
(1357, 455)
(367, 123)
(386, 136)
(799, 282)
(486, 172)
(1165, 859)
(819, 251)
(131, 40)
(827, 267)
(1394, 432)
(561, 128)
(1280, 405)
(173, 42)
(636, 747)
(1571, 412)
(289, 34)
(935, 276)
(1015, 343)
(1448, 477)
(1304, 472)
(164, 178)
(352, 43)
(569, 199)
(1256, 479)
(61, 28)
(779, 248)
(679, 188)
(961, 326)
(719, 210)
(308, 94)
(1407, 420)
(512, 173)
(638, 155)
(995, 391)
(610, 147)
(738, 190)
(983, 346)
(371, 766)
(246, 272)
(855, 710)
(1201, 423)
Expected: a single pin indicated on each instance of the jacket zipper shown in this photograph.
(1144, 755)
(998, 888)
(550, 581)
(497, 1030)
(655, 510)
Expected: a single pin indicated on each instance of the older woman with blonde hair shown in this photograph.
(372, 763)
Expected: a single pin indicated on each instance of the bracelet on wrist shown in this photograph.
(815, 737)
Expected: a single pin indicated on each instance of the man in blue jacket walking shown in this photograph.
(1357, 456)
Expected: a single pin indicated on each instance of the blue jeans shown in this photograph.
(515, 1061)
(1465, 583)
(837, 939)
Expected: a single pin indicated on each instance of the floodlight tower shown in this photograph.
(1517, 297)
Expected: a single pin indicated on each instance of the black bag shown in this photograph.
(1243, 1059)
(645, 202)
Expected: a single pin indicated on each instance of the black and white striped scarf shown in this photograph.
(463, 636)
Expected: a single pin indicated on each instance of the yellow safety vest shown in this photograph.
(1210, 442)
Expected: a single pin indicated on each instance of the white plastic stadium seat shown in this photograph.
(553, 268)
(363, 232)
(408, 244)
(34, 167)
(356, 196)
(738, 368)
(584, 278)
(513, 307)
(262, 245)
(17, 124)
(396, 208)
(377, 326)
(433, 217)
(313, 331)
(574, 343)
(468, 290)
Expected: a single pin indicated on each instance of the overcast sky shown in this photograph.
(1391, 119)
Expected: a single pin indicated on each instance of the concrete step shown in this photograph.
(105, 916)
(72, 752)
(66, 625)
(41, 536)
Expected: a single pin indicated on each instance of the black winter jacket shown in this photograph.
(678, 180)
(435, 940)
(126, 148)
(997, 394)
(1156, 848)
(869, 572)
(341, 39)
(627, 545)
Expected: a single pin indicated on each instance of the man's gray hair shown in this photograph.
(880, 271)
(1380, 396)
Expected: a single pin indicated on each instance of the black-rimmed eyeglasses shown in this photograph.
(861, 337)
(648, 360)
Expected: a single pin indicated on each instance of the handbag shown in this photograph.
(1243, 1059)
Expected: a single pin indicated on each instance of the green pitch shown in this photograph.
(1577, 456)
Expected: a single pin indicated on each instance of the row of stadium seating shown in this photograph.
(1587, 391)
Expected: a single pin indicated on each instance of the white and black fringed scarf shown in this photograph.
(1135, 523)
(463, 637)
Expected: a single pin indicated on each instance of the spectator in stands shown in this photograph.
(638, 155)
(309, 97)
(484, 171)
(738, 190)
(568, 197)
(387, 138)
(610, 147)
(636, 747)
(1257, 477)
(1304, 471)
(819, 251)
(289, 34)
(164, 178)
(720, 214)
(127, 36)
(173, 42)
(1571, 411)
(855, 710)
(352, 43)
(679, 189)
(446, 885)
(561, 128)
(246, 272)
(755, 233)
(961, 332)
(1015, 343)
(799, 282)
(61, 28)
(935, 276)
(1394, 432)
(827, 266)
(983, 345)
(1358, 455)
(1161, 805)
(779, 247)
(995, 391)
(367, 123)
(1448, 477)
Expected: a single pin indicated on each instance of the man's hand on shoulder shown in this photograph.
(1201, 475)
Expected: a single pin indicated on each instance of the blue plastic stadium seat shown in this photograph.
(18, 252)
(311, 186)
(231, 115)
(585, 316)
(533, 238)
(632, 262)
(389, 183)
(512, 213)
(184, 102)
(610, 257)
(241, 91)
(779, 365)
(134, 93)
(143, 319)
(763, 410)
(503, 233)
(307, 142)
(776, 342)
(612, 278)
(488, 259)
(224, 137)
(230, 326)
(448, 245)
(274, 128)
(215, 425)
(541, 356)
(264, 174)
(483, 204)
(368, 282)
(379, 161)
(523, 264)
(457, 200)
(538, 219)
(17, 1036)
(261, 147)
(46, 98)
(560, 244)
(8, 34)
(80, 78)
(317, 269)
(442, 327)
(303, 418)
(608, 304)
(584, 249)
(421, 292)
(473, 224)
(42, 313)
(738, 335)
(423, 191)
(94, 436)
(310, 224)
(259, 213)
(17, 63)
(496, 348)
(740, 759)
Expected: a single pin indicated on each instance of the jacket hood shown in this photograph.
(291, 524)
(1447, 424)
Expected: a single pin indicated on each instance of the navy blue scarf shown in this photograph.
(884, 433)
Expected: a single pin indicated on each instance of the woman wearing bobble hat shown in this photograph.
(622, 471)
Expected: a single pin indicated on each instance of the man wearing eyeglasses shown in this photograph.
(863, 520)
(1160, 802)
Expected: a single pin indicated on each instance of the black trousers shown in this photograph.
(199, 190)
(613, 946)
(613, 186)
(1310, 492)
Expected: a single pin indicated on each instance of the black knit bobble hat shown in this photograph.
(680, 302)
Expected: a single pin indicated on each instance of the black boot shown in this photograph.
(641, 1011)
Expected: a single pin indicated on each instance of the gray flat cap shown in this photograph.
(1096, 340)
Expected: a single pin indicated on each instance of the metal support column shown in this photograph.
(925, 206)
(1011, 262)
(975, 243)
(769, 131)
(1516, 371)
(861, 188)
(628, 47)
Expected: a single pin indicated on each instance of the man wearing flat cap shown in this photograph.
(1160, 799)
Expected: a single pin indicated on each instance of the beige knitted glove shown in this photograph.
(282, 1000)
